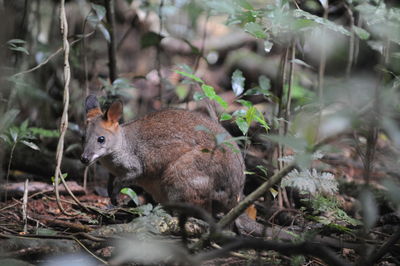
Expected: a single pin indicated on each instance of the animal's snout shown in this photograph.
(85, 159)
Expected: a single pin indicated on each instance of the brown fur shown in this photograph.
(164, 153)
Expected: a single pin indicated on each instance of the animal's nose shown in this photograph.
(84, 159)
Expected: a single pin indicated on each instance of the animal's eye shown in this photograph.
(101, 139)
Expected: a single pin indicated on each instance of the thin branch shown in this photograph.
(64, 118)
(9, 168)
(251, 198)
(375, 256)
(112, 47)
(50, 57)
(350, 59)
(160, 85)
(322, 64)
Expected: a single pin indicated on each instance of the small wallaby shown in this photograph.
(167, 155)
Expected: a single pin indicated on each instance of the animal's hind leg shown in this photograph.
(183, 182)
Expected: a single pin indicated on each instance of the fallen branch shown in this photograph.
(251, 198)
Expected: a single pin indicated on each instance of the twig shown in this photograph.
(251, 198)
(9, 168)
(24, 206)
(322, 64)
(351, 43)
(50, 57)
(375, 256)
(64, 118)
(160, 85)
(112, 50)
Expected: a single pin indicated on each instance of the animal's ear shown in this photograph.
(92, 107)
(114, 113)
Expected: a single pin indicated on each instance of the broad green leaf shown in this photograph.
(20, 49)
(225, 116)
(245, 103)
(197, 96)
(244, 4)
(221, 6)
(181, 92)
(185, 68)
(301, 63)
(274, 192)
(16, 41)
(30, 145)
(191, 76)
(150, 39)
(242, 124)
(210, 93)
(132, 194)
(255, 29)
(122, 83)
(268, 46)
(238, 82)
(263, 169)
(24, 126)
(264, 83)
(100, 11)
(105, 32)
(6, 139)
(260, 119)
(14, 134)
(361, 33)
(298, 13)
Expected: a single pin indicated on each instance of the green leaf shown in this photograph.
(132, 194)
(225, 116)
(20, 49)
(24, 126)
(181, 92)
(255, 29)
(298, 13)
(191, 76)
(6, 139)
(30, 145)
(245, 103)
(16, 41)
(14, 134)
(242, 124)
(244, 4)
(361, 33)
(197, 96)
(260, 119)
(210, 93)
(105, 32)
(263, 169)
(100, 11)
(264, 82)
(122, 83)
(150, 39)
(238, 82)
(268, 46)
(250, 114)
